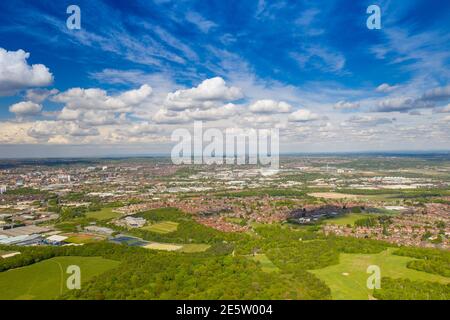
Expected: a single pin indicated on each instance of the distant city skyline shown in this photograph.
(136, 71)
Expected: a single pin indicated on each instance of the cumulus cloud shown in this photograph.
(101, 118)
(223, 112)
(385, 88)
(16, 74)
(98, 99)
(270, 106)
(344, 105)
(206, 95)
(141, 129)
(40, 95)
(69, 114)
(134, 97)
(25, 108)
(46, 130)
(164, 116)
(303, 115)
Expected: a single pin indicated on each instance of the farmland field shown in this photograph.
(103, 214)
(162, 227)
(47, 279)
(347, 280)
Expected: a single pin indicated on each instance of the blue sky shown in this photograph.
(111, 85)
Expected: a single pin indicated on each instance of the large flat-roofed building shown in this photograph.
(56, 239)
(102, 230)
(20, 231)
(24, 240)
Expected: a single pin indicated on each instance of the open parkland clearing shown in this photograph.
(103, 214)
(347, 280)
(162, 227)
(47, 279)
(186, 248)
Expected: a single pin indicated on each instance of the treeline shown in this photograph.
(405, 289)
(25, 192)
(374, 221)
(431, 260)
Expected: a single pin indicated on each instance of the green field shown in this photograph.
(348, 218)
(103, 214)
(162, 227)
(186, 248)
(347, 280)
(266, 264)
(194, 247)
(47, 279)
(82, 238)
(164, 246)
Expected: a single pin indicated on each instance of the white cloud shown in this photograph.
(385, 88)
(40, 95)
(344, 105)
(69, 114)
(98, 99)
(303, 115)
(204, 96)
(16, 74)
(203, 24)
(270, 106)
(100, 118)
(223, 112)
(134, 97)
(165, 116)
(47, 130)
(25, 108)
(320, 58)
